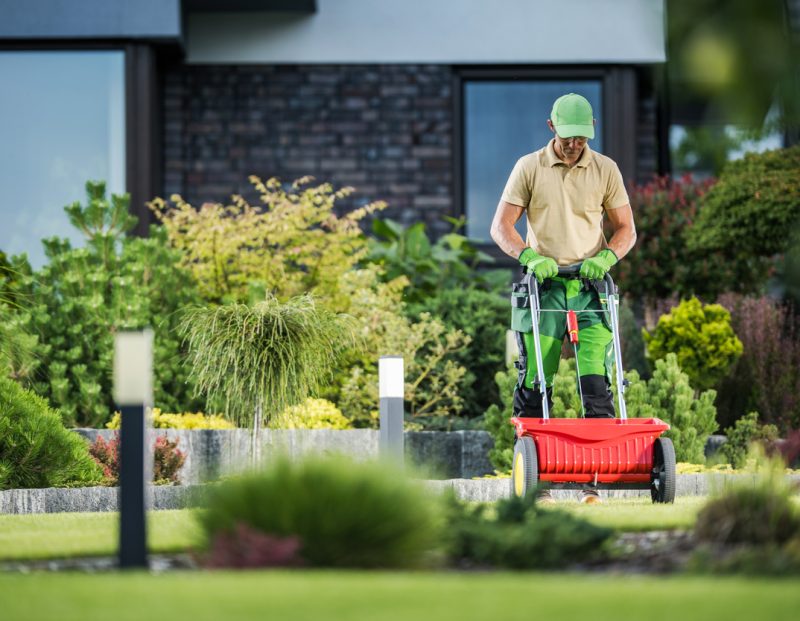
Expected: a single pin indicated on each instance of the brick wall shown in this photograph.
(386, 130)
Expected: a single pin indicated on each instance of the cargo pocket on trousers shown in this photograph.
(520, 308)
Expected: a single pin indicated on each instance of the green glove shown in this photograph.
(597, 266)
(542, 267)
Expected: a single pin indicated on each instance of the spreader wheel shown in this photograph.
(662, 478)
(525, 467)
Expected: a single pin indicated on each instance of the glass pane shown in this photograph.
(502, 122)
(62, 122)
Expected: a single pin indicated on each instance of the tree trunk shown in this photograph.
(255, 439)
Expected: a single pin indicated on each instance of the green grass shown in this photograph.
(63, 535)
(389, 596)
(639, 514)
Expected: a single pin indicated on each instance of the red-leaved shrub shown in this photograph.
(167, 459)
(767, 376)
(245, 547)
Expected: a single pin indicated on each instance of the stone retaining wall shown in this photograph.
(211, 453)
(56, 500)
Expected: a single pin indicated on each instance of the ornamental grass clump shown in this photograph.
(255, 361)
(342, 514)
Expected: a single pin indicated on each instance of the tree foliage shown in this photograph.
(753, 210)
(82, 296)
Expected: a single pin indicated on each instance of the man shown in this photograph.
(564, 189)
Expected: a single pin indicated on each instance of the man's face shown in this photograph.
(571, 147)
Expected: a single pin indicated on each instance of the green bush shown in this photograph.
(751, 212)
(566, 404)
(496, 421)
(702, 339)
(36, 450)
(345, 514)
(667, 395)
(76, 302)
(752, 514)
(660, 264)
(521, 536)
(449, 263)
(742, 435)
(482, 316)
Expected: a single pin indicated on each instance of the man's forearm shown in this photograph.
(504, 232)
(622, 241)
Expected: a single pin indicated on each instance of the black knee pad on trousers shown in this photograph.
(528, 402)
(597, 398)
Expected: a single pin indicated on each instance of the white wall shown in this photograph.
(436, 31)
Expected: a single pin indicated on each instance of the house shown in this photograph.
(426, 104)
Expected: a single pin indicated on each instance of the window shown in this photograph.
(504, 120)
(62, 122)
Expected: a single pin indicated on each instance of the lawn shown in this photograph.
(389, 596)
(60, 535)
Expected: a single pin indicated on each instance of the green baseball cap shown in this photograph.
(572, 116)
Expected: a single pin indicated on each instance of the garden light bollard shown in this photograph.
(133, 393)
(391, 382)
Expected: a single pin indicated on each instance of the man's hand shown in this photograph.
(597, 266)
(542, 267)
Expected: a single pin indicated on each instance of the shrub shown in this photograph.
(311, 414)
(244, 547)
(661, 264)
(702, 339)
(751, 212)
(742, 435)
(668, 396)
(344, 514)
(36, 450)
(451, 262)
(167, 459)
(483, 317)
(496, 421)
(76, 302)
(294, 244)
(521, 536)
(767, 376)
(566, 404)
(758, 514)
(266, 357)
(187, 420)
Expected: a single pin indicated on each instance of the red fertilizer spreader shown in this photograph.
(605, 453)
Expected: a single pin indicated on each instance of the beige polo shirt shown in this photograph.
(565, 205)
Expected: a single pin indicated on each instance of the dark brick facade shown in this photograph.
(387, 130)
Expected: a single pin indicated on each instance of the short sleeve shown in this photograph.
(615, 195)
(518, 186)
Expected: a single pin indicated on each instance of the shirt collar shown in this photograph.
(551, 159)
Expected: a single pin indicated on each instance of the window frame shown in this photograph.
(142, 114)
(618, 88)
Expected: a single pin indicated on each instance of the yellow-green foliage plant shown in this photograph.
(296, 244)
(701, 337)
(185, 420)
(311, 414)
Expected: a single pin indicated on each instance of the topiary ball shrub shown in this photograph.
(36, 450)
(344, 514)
(701, 337)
